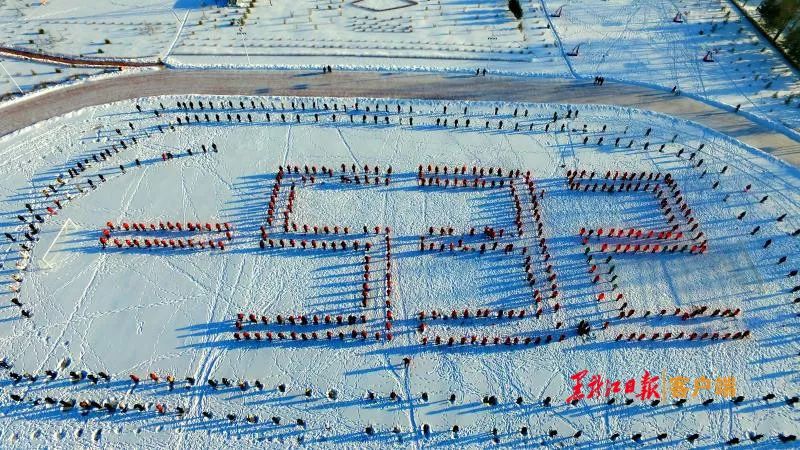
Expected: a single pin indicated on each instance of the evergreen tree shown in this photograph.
(770, 10)
(515, 8)
(778, 13)
(792, 43)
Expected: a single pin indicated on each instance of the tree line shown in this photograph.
(782, 17)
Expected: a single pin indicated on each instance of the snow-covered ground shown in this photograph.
(641, 42)
(19, 77)
(173, 312)
(634, 41)
(140, 29)
(424, 34)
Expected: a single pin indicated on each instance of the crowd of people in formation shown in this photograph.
(354, 335)
(155, 242)
(536, 195)
(273, 198)
(489, 233)
(86, 406)
(670, 197)
(495, 340)
(427, 243)
(671, 202)
(664, 237)
(648, 240)
(679, 335)
(286, 116)
(366, 291)
(310, 320)
(368, 176)
(35, 216)
(465, 314)
(62, 191)
(355, 244)
(365, 283)
(309, 174)
(313, 244)
(459, 177)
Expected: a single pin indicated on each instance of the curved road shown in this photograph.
(28, 111)
(74, 61)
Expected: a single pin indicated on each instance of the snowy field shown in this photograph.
(121, 29)
(424, 33)
(707, 296)
(19, 77)
(641, 42)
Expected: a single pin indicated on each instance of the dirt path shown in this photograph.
(29, 111)
(73, 61)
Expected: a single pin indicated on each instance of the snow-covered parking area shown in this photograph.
(365, 273)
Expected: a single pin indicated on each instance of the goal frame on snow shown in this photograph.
(49, 265)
